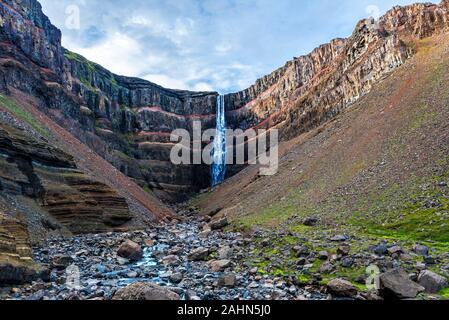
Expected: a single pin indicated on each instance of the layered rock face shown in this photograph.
(16, 264)
(128, 121)
(49, 177)
(312, 89)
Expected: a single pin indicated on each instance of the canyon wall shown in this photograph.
(128, 121)
(16, 264)
(314, 88)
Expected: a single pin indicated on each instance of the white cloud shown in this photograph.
(165, 81)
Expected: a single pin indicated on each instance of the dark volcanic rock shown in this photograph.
(380, 249)
(35, 169)
(339, 238)
(341, 288)
(61, 262)
(311, 221)
(199, 254)
(421, 250)
(301, 251)
(16, 264)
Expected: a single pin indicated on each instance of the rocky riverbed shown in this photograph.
(184, 257)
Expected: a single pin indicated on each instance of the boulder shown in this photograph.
(225, 252)
(219, 224)
(323, 255)
(149, 243)
(420, 266)
(341, 288)
(432, 282)
(429, 260)
(347, 262)
(395, 250)
(130, 250)
(227, 280)
(344, 250)
(199, 254)
(395, 284)
(327, 268)
(421, 250)
(145, 292)
(176, 277)
(381, 249)
(204, 234)
(310, 221)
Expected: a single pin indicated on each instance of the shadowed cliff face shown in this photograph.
(16, 264)
(133, 118)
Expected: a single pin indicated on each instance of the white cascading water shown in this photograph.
(218, 171)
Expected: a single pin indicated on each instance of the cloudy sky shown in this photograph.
(217, 45)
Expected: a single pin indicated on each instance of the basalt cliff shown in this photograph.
(83, 150)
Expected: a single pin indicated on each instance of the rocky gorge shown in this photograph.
(92, 208)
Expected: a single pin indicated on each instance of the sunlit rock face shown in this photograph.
(128, 121)
(312, 89)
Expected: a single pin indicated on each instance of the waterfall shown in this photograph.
(218, 171)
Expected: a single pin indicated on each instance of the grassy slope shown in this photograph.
(378, 171)
(24, 116)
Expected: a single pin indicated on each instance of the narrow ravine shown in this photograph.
(186, 257)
